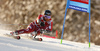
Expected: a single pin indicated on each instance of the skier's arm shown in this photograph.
(40, 20)
(49, 27)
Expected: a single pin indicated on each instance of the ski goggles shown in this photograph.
(48, 17)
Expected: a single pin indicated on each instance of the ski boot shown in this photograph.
(15, 35)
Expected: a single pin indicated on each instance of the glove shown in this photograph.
(42, 31)
(45, 31)
(48, 31)
(42, 24)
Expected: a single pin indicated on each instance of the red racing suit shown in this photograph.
(35, 26)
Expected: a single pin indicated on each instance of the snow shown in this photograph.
(48, 44)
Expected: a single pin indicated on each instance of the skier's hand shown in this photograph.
(48, 31)
(42, 31)
(45, 31)
(42, 24)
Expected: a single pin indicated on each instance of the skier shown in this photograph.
(43, 24)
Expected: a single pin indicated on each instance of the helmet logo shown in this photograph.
(48, 13)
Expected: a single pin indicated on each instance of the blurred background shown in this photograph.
(17, 14)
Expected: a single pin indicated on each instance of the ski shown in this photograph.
(18, 37)
(35, 39)
(12, 36)
(38, 39)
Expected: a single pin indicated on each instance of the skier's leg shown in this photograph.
(35, 35)
(29, 29)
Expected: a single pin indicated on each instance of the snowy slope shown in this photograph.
(48, 44)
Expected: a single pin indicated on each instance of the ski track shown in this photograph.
(29, 45)
(48, 44)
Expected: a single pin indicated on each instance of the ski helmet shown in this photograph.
(47, 12)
